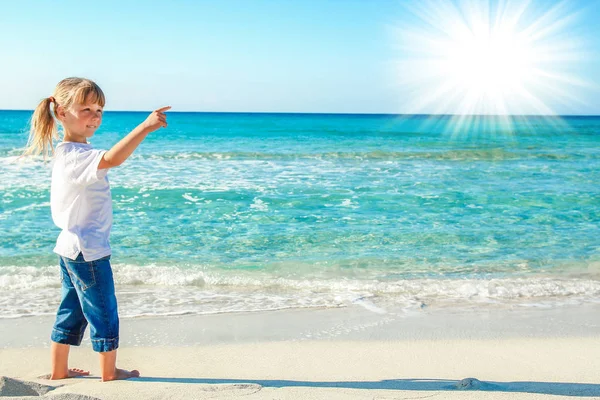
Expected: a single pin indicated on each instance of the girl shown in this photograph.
(81, 206)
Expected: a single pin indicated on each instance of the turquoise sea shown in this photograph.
(231, 212)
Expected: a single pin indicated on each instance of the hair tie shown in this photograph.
(52, 100)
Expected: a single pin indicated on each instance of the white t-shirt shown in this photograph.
(80, 201)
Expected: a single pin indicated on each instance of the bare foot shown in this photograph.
(72, 373)
(122, 374)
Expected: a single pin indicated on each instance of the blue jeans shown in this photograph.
(88, 296)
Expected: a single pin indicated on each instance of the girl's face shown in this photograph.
(80, 121)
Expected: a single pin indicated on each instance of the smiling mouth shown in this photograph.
(92, 126)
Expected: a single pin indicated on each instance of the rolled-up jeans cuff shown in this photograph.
(66, 338)
(104, 345)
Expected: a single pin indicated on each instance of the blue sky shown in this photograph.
(263, 56)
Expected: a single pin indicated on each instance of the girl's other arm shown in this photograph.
(122, 150)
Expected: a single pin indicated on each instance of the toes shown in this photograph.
(78, 372)
(135, 373)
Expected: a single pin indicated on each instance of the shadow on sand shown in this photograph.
(553, 388)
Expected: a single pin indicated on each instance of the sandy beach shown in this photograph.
(348, 353)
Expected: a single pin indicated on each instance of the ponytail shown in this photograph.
(43, 130)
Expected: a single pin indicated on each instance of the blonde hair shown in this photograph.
(44, 128)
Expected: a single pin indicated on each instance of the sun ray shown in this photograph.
(502, 57)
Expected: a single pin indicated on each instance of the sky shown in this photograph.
(325, 56)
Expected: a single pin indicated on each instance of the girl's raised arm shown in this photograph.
(126, 146)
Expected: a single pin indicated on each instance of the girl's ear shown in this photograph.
(60, 113)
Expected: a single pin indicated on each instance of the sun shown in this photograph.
(486, 57)
(490, 64)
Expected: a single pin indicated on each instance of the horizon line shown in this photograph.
(342, 113)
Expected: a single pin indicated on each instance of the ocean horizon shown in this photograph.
(342, 113)
(237, 212)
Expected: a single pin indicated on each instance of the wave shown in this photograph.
(10, 158)
(161, 290)
(441, 155)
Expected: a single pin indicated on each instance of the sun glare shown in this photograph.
(488, 65)
(486, 58)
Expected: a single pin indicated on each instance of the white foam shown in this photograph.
(348, 203)
(189, 197)
(259, 205)
(24, 208)
(368, 305)
(168, 290)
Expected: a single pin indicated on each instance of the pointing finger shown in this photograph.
(163, 109)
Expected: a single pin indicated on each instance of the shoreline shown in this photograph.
(355, 322)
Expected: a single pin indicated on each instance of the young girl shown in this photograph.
(81, 206)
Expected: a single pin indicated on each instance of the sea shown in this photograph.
(248, 212)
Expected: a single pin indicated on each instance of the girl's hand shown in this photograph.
(156, 120)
